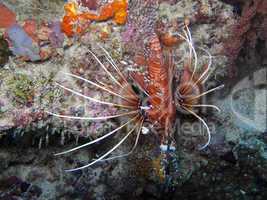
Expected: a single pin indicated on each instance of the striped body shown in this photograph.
(159, 87)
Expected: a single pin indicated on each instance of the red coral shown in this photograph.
(30, 27)
(7, 17)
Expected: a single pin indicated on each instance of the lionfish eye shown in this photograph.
(136, 89)
(143, 99)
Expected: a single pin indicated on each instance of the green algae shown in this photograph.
(21, 87)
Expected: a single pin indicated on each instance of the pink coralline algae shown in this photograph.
(90, 4)
(25, 116)
(56, 36)
(97, 110)
(141, 22)
(126, 36)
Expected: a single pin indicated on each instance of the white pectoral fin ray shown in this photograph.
(107, 153)
(97, 85)
(206, 126)
(96, 140)
(92, 118)
(92, 99)
(133, 148)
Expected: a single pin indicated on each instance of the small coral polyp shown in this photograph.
(76, 21)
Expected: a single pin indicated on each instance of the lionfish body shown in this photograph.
(156, 80)
(159, 87)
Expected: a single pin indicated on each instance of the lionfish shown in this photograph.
(151, 97)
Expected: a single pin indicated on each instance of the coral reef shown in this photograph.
(141, 23)
(248, 32)
(232, 167)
